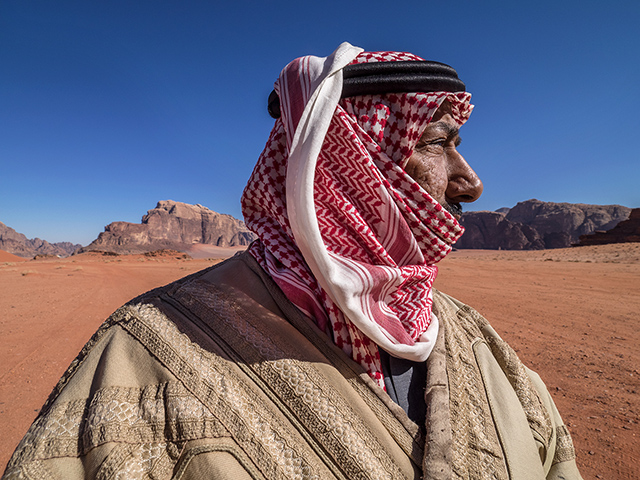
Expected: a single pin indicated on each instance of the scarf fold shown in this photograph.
(347, 234)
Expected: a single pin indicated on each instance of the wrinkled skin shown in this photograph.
(438, 167)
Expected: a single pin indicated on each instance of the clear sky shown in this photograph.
(108, 106)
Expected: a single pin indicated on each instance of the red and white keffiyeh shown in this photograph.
(346, 233)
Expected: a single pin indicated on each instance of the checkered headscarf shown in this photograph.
(346, 233)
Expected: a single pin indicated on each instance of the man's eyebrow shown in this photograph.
(448, 129)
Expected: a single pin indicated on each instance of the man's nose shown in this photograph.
(464, 184)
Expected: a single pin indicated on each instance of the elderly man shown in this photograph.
(323, 351)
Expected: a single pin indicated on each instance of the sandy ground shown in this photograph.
(199, 251)
(571, 314)
(9, 257)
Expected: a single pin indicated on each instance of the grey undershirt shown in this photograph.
(406, 382)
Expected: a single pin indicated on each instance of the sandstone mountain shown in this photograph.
(536, 225)
(172, 225)
(626, 231)
(18, 244)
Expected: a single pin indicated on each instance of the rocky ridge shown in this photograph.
(18, 244)
(625, 232)
(537, 225)
(172, 225)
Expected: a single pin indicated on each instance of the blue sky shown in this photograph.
(107, 107)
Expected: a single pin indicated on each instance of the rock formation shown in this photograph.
(536, 225)
(18, 244)
(626, 231)
(492, 231)
(172, 225)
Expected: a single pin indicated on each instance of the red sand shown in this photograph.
(571, 314)
(10, 257)
(201, 251)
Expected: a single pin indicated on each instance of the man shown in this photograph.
(323, 351)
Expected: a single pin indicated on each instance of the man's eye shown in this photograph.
(437, 143)
(429, 143)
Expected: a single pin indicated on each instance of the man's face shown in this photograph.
(438, 167)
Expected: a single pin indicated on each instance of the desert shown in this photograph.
(571, 315)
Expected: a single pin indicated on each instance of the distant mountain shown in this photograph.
(18, 244)
(536, 225)
(624, 232)
(172, 225)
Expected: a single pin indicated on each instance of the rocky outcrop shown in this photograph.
(536, 225)
(492, 231)
(625, 232)
(172, 225)
(18, 244)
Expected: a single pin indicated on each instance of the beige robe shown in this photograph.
(219, 376)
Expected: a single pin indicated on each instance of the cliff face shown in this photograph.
(626, 231)
(173, 225)
(492, 231)
(18, 244)
(535, 225)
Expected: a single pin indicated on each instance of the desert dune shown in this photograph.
(571, 314)
(10, 257)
